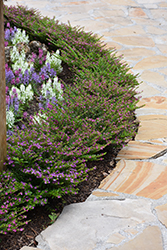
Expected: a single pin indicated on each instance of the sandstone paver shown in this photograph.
(104, 194)
(137, 12)
(138, 150)
(137, 29)
(139, 52)
(152, 129)
(139, 178)
(135, 41)
(150, 238)
(146, 90)
(154, 77)
(162, 213)
(116, 238)
(155, 30)
(122, 2)
(155, 102)
(151, 62)
(90, 224)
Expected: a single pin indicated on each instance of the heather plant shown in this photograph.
(15, 200)
(72, 126)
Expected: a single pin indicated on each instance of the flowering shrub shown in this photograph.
(16, 199)
(95, 110)
(28, 76)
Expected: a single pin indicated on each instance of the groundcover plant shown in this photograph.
(47, 151)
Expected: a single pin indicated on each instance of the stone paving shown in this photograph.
(129, 209)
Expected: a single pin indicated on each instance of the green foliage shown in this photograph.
(97, 110)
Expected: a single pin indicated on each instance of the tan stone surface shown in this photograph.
(155, 102)
(154, 77)
(121, 2)
(162, 213)
(165, 161)
(91, 25)
(140, 52)
(138, 178)
(147, 90)
(108, 12)
(163, 4)
(118, 20)
(152, 62)
(151, 117)
(115, 238)
(155, 141)
(145, 21)
(134, 30)
(163, 71)
(137, 12)
(162, 48)
(104, 194)
(135, 41)
(152, 129)
(75, 3)
(150, 1)
(131, 231)
(159, 13)
(111, 45)
(149, 239)
(160, 40)
(139, 150)
(149, 111)
(156, 31)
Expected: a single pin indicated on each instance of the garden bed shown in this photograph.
(73, 106)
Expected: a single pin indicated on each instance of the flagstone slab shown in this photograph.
(155, 30)
(151, 117)
(145, 21)
(154, 77)
(138, 150)
(163, 4)
(140, 52)
(146, 90)
(152, 129)
(118, 20)
(103, 12)
(137, 12)
(163, 71)
(131, 231)
(104, 194)
(151, 63)
(149, 239)
(155, 102)
(139, 178)
(134, 30)
(121, 2)
(116, 238)
(159, 13)
(162, 213)
(162, 48)
(111, 45)
(135, 40)
(93, 224)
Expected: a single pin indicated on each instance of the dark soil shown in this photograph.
(39, 216)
